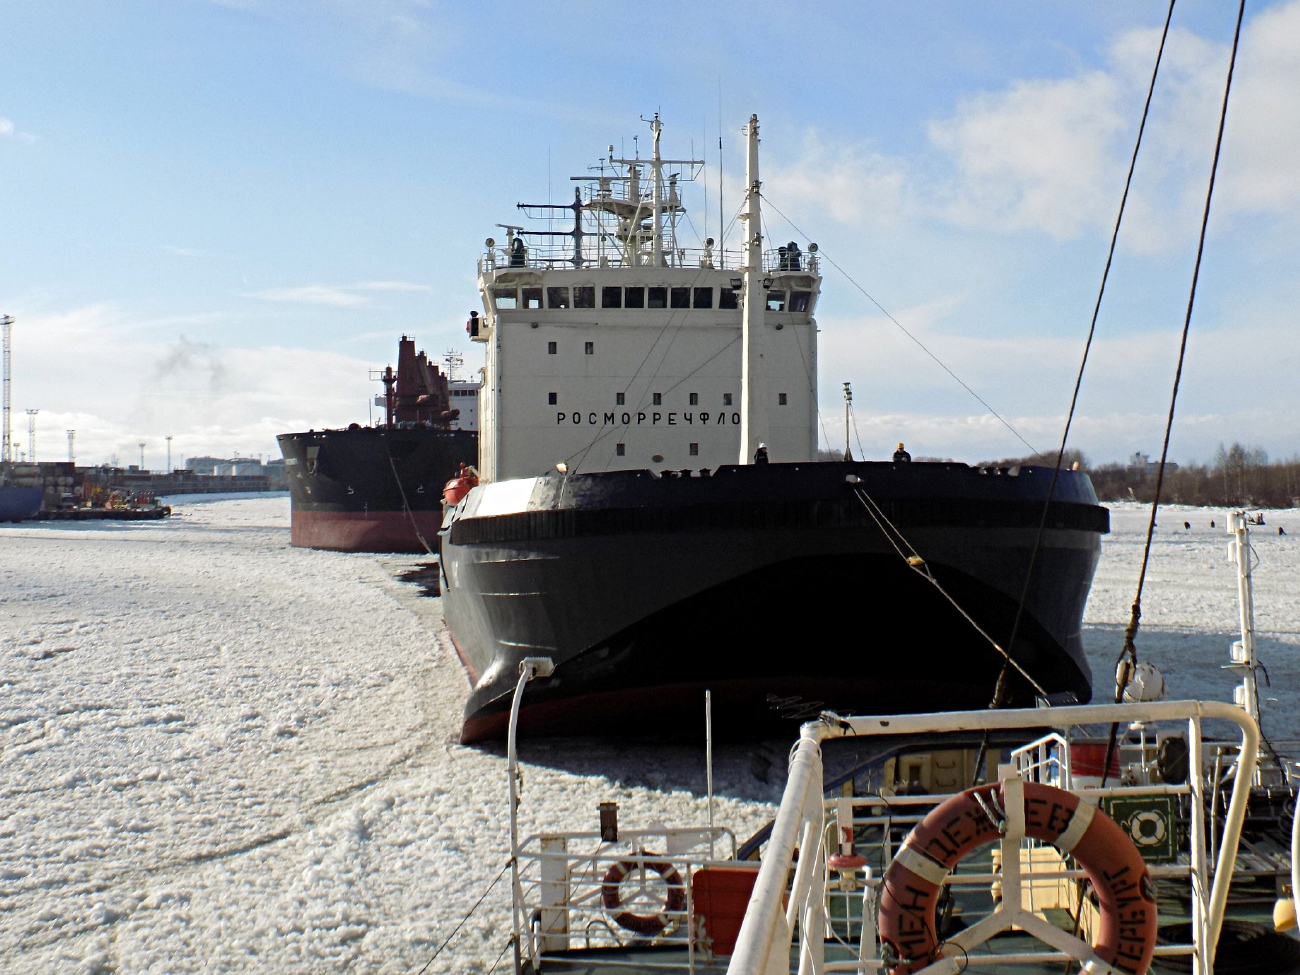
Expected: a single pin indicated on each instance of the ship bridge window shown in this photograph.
(635, 298)
(695, 399)
(703, 297)
(658, 298)
(659, 399)
(618, 399)
(551, 348)
(680, 298)
(552, 399)
(726, 399)
(589, 348)
(611, 297)
(800, 300)
(557, 297)
(781, 399)
(505, 297)
(532, 297)
(584, 297)
(776, 301)
(727, 298)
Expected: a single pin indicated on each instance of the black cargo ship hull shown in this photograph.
(772, 586)
(371, 489)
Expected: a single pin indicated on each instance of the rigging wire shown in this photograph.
(942, 365)
(898, 541)
(496, 880)
(1126, 661)
(1000, 691)
(405, 505)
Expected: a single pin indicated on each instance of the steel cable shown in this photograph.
(1000, 690)
(1126, 661)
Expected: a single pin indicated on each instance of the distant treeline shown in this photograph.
(1237, 477)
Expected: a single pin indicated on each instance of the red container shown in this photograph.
(1087, 758)
(719, 896)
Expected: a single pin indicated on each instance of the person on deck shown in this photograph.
(901, 456)
(760, 455)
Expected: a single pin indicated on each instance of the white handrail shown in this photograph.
(764, 931)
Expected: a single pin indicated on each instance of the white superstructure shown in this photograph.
(465, 398)
(620, 348)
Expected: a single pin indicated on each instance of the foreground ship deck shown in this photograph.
(771, 585)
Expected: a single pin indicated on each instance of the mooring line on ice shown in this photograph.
(495, 880)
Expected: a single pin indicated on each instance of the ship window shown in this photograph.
(727, 298)
(618, 399)
(695, 450)
(532, 297)
(620, 449)
(559, 298)
(636, 297)
(703, 297)
(552, 398)
(658, 298)
(589, 348)
(611, 297)
(506, 297)
(659, 399)
(781, 399)
(695, 399)
(800, 300)
(680, 298)
(776, 301)
(726, 399)
(551, 348)
(584, 297)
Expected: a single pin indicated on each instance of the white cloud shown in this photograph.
(10, 131)
(855, 184)
(391, 286)
(312, 294)
(1049, 155)
(213, 399)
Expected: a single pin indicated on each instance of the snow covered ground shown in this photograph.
(220, 753)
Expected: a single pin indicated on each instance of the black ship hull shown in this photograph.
(371, 489)
(772, 586)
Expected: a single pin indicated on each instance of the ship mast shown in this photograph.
(753, 412)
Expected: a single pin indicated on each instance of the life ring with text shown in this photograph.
(1126, 896)
(648, 924)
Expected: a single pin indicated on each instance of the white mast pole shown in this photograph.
(1243, 652)
(656, 197)
(753, 407)
(6, 446)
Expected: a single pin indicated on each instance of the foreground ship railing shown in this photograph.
(830, 925)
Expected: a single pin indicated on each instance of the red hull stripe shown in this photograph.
(355, 531)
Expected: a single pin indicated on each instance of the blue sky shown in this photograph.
(219, 216)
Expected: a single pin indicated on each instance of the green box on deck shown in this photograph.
(1149, 821)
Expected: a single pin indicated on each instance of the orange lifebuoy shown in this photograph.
(964, 823)
(648, 924)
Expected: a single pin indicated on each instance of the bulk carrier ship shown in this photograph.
(652, 516)
(379, 489)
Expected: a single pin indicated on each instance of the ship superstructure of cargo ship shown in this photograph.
(653, 518)
(379, 488)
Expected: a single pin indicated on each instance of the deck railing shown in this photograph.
(830, 926)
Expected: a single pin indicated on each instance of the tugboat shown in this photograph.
(652, 517)
(378, 489)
